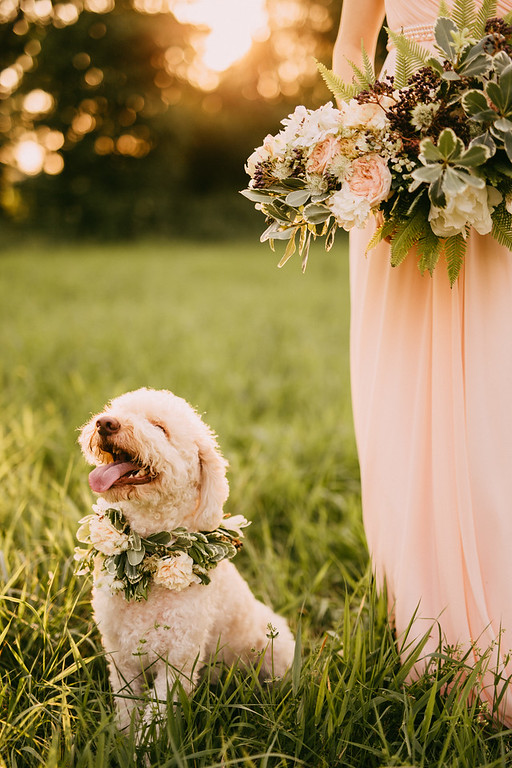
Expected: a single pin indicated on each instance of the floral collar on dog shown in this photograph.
(174, 559)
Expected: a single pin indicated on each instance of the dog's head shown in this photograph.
(150, 446)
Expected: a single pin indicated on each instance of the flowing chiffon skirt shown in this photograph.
(431, 369)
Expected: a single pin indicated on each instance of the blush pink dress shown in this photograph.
(431, 370)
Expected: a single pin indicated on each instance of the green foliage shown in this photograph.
(454, 250)
(339, 89)
(417, 55)
(407, 233)
(429, 249)
(134, 567)
(486, 10)
(265, 356)
(464, 13)
(501, 227)
(404, 69)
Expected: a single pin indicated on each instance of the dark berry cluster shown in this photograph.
(498, 26)
(379, 88)
(498, 37)
(263, 176)
(425, 87)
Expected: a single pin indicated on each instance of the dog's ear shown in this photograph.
(214, 488)
(84, 440)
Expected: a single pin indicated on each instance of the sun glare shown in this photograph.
(232, 26)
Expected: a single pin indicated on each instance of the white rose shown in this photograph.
(175, 572)
(472, 206)
(349, 210)
(306, 128)
(105, 537)
(258, 156)
(355, 115)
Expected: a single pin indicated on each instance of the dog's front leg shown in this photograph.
(166, 675)
(127, 688)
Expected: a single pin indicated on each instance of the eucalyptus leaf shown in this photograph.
(427, 173)
(276, 232)
(443, 34)
(429, 152)
(298, 197)
(476, 66)
(436, 193)
(454, 183)
(451, 75)
(501, 61)
(449, 144)
(474, 102)
(503, 124)
(506, 87)
(135, 556)
(474, 156)
(486, 140)
(256, 195)
(316, 214)
(497, 96)
(508, 145)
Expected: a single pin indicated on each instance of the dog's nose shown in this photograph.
(107, 425)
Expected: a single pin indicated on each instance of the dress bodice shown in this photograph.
(404, 13)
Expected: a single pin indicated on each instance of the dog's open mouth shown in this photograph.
(122, 470)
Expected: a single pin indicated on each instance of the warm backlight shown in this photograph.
(232, 26)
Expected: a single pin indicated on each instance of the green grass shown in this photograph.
(264, 354)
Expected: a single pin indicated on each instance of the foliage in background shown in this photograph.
(263, 355)
(123, 142)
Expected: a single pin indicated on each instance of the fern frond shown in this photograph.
(429, 250)
(463, 13)
(508, 17)
(406, 235)
(454, 251)
(339, 89)
(369, 71)
(404, 69)
(418, 55)
(502, 226)
(360, 78)
(444, 10)
(383, 230)
(486, 11)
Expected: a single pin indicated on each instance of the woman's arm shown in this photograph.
(360, 20)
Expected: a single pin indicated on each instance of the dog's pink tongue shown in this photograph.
(102, 478)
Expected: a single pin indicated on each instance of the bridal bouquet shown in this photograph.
(428, 150)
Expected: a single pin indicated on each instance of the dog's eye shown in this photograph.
(160, 426)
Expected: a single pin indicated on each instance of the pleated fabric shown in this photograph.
(431, 370)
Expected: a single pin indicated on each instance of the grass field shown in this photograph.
(263, 353)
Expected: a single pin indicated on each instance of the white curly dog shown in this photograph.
(160, 464)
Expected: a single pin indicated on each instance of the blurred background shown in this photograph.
(127, 118)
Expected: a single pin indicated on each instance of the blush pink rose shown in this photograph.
(370, 178)
(323, 155)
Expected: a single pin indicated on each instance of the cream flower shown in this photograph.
(259, 155)
(105, 537)
(348, 209)
(175, 572)
(323, 154)
(235, 523)
(102, 505)
(108, 582)
(472, 206)
(370, 116)
(305, 127)
(370, 178)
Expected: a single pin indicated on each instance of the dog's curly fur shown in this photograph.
(152, 642)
